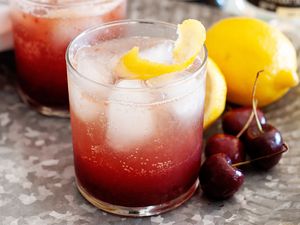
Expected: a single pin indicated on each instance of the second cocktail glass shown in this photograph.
(42, 30)
(137, 143)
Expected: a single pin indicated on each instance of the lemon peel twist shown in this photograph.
(191, 37)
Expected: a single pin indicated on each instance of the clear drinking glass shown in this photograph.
(42, 30)
(137, 144)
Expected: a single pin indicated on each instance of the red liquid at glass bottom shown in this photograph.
(159, 171)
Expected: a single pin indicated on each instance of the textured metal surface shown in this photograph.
(37, 174)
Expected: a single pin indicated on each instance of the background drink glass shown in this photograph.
(42, 30)
(137, 151)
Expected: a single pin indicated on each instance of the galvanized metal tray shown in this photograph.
(36, 165)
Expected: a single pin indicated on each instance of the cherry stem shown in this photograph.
(254, 111)
(285, 148)
(254, 101)
(246, 125)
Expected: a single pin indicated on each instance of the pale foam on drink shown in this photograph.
(131, 116)
(75, 8)
(68, 18)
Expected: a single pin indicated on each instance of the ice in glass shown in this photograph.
(137, 143)
(42, 30)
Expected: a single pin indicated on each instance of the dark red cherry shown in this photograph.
(227, 144)
(219, 180)
(234, 120)
(264, 143)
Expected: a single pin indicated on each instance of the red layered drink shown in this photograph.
(42, 31)
(137, 142)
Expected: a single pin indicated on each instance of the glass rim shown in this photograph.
(123, 22)
(64, 4)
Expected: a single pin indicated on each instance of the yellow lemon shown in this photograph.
(191, 37)
(215, 98)
(243, 46)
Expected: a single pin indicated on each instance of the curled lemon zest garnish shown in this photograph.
(191, 37)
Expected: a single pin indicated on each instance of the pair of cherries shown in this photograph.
(246, 131)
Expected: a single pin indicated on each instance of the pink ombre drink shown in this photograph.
(137, 144)
(42, 31)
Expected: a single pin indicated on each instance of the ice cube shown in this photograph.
(186, 95)
(71, 21)
(129, 124)
(131, 84)
(86, 106)
(83, 10)
(192, 91)
(188, 99)
(87, 96)
(165, 79)
(96, 67)
(161, 53)
(67, 28)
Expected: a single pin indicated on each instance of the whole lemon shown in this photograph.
(243, 46)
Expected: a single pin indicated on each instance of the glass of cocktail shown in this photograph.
(137, 142)
(42, 30)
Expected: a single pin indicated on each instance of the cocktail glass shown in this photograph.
(137, 144)
(42, 31)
